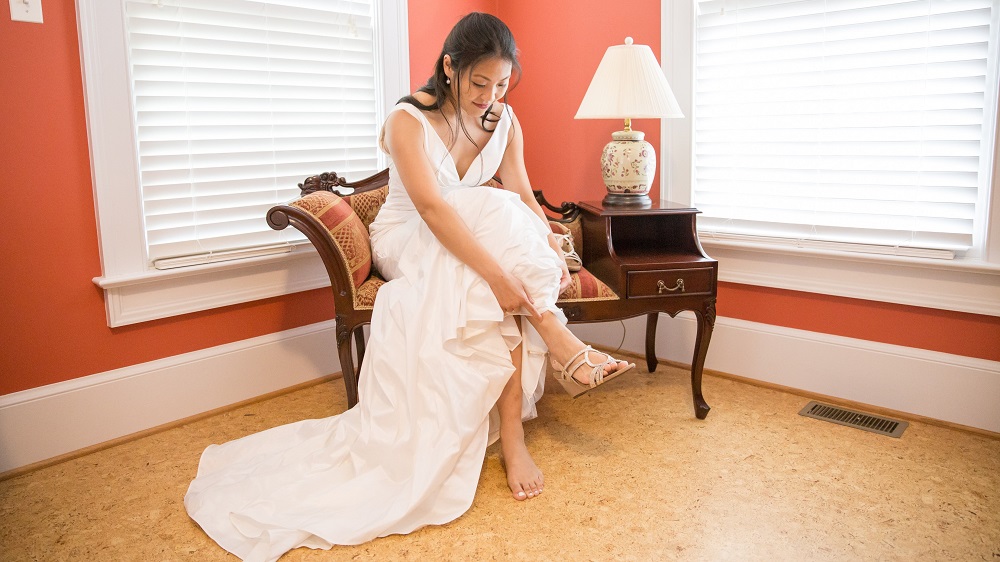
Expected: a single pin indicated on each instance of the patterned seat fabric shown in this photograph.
(585, 287)
(364, 296)
(367, 204)
(348, 225)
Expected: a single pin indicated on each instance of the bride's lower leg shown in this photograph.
(523, 476)
(563, 344)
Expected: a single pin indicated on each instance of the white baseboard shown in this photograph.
(57, 419)
(53, 420)
(936, 385)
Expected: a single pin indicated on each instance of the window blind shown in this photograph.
(237, 101)
(859, 122)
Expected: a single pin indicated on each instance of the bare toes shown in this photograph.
(614, 367)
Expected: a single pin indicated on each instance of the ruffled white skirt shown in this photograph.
(410, 453)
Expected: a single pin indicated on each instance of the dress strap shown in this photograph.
(417, 114)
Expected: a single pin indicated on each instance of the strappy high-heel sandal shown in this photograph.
(573, 261)
(598, 376)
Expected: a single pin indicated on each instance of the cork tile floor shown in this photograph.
(630, 475)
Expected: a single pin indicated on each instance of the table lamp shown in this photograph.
(629, 84)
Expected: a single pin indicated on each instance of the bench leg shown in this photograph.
(350, 376)
(359, 343)
(347, 362)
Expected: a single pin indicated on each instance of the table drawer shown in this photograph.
(671, 282)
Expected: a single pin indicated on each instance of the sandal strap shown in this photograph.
(597, 369)
(565, 369)
(566, 241)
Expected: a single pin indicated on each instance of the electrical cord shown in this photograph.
(621, 343)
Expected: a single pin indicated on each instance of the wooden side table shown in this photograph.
(652, 258)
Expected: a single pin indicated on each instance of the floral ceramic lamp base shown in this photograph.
(628, 164)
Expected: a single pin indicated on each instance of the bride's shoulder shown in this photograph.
(420, 105)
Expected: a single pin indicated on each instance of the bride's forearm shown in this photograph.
(449, 228)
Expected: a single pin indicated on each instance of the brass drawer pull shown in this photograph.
(661, 286)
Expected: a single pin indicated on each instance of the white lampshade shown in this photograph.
(629, 84)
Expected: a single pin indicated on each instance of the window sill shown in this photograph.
(957, 285)
(154, 294)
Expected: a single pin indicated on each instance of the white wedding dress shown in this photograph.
(411, 452)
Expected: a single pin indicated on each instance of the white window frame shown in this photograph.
(134, 291)
(969, 284)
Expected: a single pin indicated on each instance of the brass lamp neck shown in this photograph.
(628, 124)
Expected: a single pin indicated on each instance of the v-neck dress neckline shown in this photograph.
(398, 207)
(429, 127)
(488, 158)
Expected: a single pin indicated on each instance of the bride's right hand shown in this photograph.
(511, 296)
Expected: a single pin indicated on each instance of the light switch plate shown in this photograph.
(26, 10)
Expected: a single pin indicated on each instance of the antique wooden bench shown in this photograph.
(334, 215)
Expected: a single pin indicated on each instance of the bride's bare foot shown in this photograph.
(565, 347)
(523, 476)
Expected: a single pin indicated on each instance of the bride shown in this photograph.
(459, 336)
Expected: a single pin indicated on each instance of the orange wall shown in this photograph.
(561, 43)
(430, 21)
(54, 326)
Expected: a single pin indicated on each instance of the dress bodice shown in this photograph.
(398, 207)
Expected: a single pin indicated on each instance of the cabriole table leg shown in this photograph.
(651, 361)
(706, 323)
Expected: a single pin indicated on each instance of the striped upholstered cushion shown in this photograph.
(348, 232)
(585, 287)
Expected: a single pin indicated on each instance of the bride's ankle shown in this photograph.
(512, 436)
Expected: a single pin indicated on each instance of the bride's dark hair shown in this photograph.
(475, 37)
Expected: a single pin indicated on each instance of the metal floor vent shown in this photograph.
(860, 420)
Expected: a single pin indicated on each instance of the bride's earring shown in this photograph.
(447, 81)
